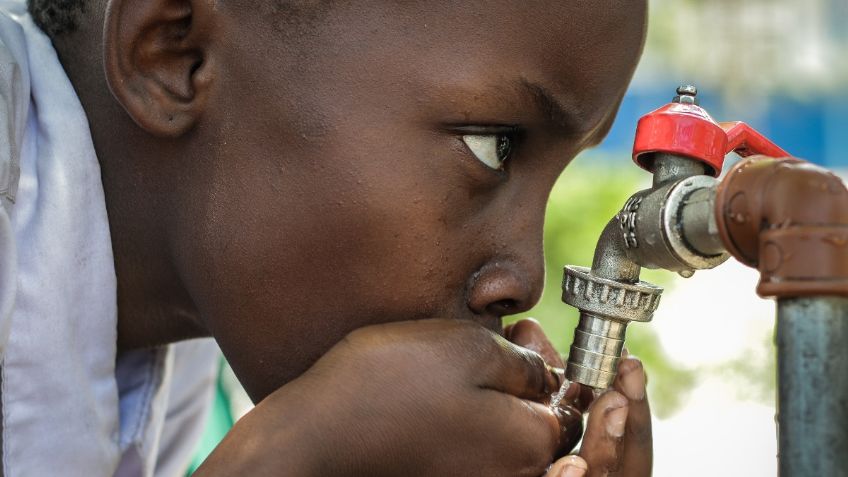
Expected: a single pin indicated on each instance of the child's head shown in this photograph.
(282, 172)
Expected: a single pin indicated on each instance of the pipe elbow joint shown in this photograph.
(789, 219)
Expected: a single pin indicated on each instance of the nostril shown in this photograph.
(501, 289)
(503, 307)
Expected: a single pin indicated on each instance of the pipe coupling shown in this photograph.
(661, 226)
(789, 219)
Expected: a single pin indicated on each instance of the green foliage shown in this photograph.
(752, 374)
(585, 198)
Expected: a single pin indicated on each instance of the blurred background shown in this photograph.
(782, 67)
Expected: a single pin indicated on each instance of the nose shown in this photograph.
(506, 287)
(511, 280)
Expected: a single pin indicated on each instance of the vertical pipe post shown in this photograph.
(812, 362)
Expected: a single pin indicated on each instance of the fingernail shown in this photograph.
(615, 422)
(572, 471)
(574, 467)
(633, 380)
(552, 380)
(558, 373)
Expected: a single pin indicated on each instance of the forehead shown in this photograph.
(563, 45)
(581, 53)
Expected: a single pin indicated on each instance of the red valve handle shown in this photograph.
(746, 141)
(686, 129)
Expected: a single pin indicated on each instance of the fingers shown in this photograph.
(538, 433)
(618, 437)
(529, 334)
(534, 345)
(518, 371)
(484, 358)
(602, 443)
(581, 397)
(569, 466)
(637, 457)
(570, 429)
(491, 390)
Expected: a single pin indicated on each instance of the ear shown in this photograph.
(156, 61)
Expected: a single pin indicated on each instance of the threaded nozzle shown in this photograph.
(596, 351)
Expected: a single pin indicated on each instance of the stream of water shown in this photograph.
(556, 398)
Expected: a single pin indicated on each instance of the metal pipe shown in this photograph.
(670, 167)
(789, 219)
(812, 363)
(611, 259)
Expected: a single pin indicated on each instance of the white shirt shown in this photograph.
(70, 405)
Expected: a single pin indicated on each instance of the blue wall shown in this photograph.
(814, 129)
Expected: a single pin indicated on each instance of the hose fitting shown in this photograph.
(606, 307)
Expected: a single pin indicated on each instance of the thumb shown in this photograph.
(568, 466)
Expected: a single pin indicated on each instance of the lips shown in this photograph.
(490, 322)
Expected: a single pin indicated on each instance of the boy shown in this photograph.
(348, 196)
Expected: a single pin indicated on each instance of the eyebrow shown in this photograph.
(563, 114)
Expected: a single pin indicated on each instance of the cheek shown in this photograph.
(306, 254)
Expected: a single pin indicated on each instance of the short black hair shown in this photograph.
(57, 16)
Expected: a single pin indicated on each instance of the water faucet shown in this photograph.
(669, 226)
(783, 216)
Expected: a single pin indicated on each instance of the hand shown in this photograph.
(433, 397)
(618, 435)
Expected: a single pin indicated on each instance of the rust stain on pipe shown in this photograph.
(789, 219)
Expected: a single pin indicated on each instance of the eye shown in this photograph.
(491, 149)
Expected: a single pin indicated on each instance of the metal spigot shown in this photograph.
(647, 232)
(670, 226)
